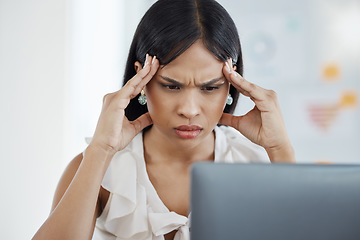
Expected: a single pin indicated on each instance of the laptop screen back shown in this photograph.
(275, 201)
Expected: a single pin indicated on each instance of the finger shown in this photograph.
(135, 80)
(142, 122)
(134, 86)
(245, 86)
(130, 89)
(154, 65)
(227, 71)
(249, 89)
(228, 120)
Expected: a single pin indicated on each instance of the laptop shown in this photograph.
(275, 201)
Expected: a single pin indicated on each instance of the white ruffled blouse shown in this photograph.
(135, 211)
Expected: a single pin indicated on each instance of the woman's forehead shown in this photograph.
(186, 75)
(195, 63)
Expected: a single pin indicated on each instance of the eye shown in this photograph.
(209, 88)
(171, 87)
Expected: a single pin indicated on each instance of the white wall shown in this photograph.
(101, 33)
(32, 70)
(57, 60)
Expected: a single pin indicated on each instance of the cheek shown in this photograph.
(218, 104)
(215, 104)
(157, 104)
(222, 98)
(154, 105)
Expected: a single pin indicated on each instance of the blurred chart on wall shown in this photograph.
(309, 53)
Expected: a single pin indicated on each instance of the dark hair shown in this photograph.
(170, 27)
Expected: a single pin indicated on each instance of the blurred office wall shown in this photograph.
(58, 59)
(309, 53)
(32, 88)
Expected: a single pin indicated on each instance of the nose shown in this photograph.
(189, 105)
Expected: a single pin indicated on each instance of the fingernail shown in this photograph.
(152, 62)
(146, 60)
(228, 67)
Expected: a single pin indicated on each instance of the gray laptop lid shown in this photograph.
(275, 201)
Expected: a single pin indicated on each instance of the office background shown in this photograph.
(58, 59)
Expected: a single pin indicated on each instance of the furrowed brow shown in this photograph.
(170, 80)
(211, 82)
(208, 83)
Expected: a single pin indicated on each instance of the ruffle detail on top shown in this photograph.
(232, 147)
(127, 211)
(134, 210)
(163, 223)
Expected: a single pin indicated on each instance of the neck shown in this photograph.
(159, 149)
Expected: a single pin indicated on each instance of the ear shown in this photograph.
(137, 66)
(234, 67)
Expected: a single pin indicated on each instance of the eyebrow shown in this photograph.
(208, 83)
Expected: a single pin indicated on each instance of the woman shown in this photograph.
(182, 80)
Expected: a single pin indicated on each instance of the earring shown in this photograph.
(142, 98)
(229, 100)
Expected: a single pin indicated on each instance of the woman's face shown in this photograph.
(186, 98)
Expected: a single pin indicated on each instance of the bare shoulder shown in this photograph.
(67, 177)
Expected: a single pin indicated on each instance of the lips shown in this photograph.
(188, 131)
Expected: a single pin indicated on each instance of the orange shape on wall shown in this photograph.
(331, 72)
(349, 99)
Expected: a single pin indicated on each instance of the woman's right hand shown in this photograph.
(114, 131)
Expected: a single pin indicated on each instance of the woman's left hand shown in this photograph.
(264, 124)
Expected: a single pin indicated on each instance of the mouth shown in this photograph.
(188, 131)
